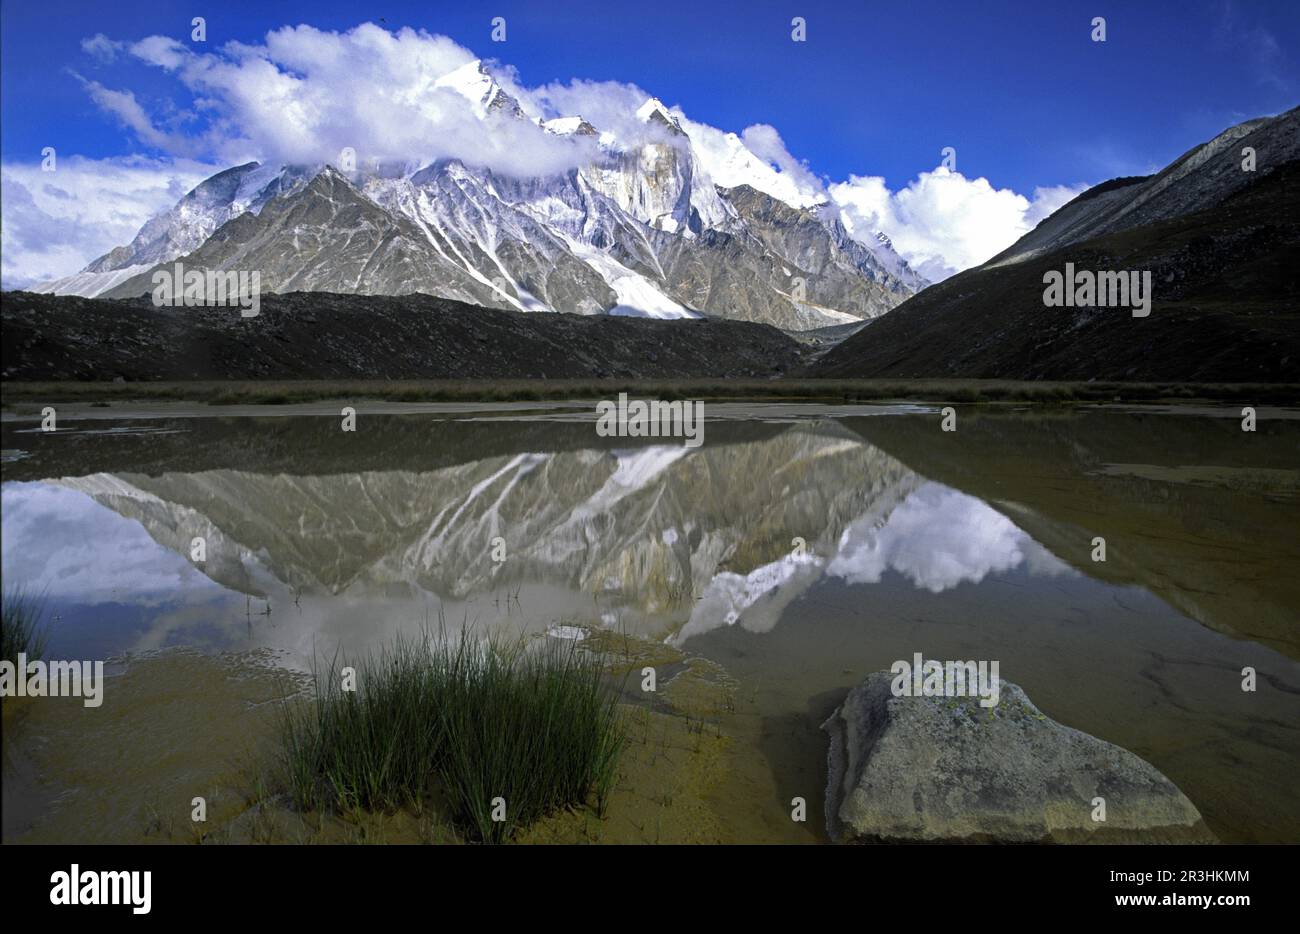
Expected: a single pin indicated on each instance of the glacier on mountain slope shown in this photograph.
(650, 226)
(637, 295)
(89, 284)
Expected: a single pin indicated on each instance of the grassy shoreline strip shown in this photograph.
(285, 392)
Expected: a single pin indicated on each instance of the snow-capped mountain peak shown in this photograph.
(184, 227)
(473, 82)
(569, 126)
(731, 164)
(653, 110)
(666, 226)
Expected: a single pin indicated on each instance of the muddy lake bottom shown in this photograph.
(761, 575)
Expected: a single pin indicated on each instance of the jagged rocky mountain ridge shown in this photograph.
(639, 230)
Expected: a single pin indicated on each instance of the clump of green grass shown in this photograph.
(21, 628)
(527, 729)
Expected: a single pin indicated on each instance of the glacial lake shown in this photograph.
(798, 549)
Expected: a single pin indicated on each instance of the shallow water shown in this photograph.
(800, 548)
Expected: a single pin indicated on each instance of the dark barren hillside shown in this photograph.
(320, 335)
(1222, 246)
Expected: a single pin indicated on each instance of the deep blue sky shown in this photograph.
(879, 88)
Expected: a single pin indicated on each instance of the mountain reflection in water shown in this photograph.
(799, 549)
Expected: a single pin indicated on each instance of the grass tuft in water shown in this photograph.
(21, 628)
(488, 726)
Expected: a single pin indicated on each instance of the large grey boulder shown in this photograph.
(940, 769)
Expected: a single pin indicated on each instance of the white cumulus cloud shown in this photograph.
(939, 538)
(305, 94)
(54, 223)
(943, 222)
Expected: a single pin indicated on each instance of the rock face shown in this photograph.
(553, 244)
(937, 769)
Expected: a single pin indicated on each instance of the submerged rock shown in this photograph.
(941, 769)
